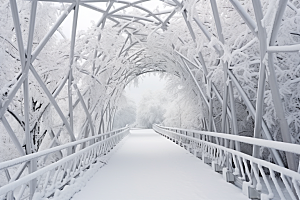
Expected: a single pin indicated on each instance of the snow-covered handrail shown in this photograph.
(293, 148)
(244, 167)
(36, 155)
(56, 175)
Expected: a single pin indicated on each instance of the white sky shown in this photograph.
(148, 83)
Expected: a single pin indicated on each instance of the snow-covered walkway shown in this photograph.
(147, 166)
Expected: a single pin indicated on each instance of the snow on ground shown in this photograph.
(148, 166)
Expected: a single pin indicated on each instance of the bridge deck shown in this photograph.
(148, 166)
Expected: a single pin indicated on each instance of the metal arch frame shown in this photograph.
(189, 29)
(274, 90)
(28, 55)
(258, 114)
(72, 43)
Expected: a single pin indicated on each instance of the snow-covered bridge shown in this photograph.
(148, 166)
(235, 64)
(145, 165)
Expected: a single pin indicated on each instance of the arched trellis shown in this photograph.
(136, 55)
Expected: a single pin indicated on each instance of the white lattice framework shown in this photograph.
(122, 46)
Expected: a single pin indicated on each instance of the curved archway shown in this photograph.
(225, 48)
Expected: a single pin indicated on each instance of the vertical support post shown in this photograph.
(33, 163)
(224, 106)
(104, 120)
(204, 126)
(217, 20)
(113, 118)
(224, 111)
(70, 78)
(71, 59)
(100, 124)
(28, 62)
(210, 114)
(225, 67)
(25, 65)
(262, 36)
(284, 127)
(109, 120)
(227, 142)
(16, 20)
(229, 86)
(234, 118)
(107, 115)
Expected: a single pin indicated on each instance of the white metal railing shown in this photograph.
(269, 179)
(47, 178)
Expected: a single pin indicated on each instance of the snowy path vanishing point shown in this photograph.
(147, 166)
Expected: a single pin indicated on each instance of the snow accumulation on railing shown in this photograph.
(52, 175)
(259, 179)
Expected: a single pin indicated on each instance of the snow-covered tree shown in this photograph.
(151, 109)
(125, 114)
